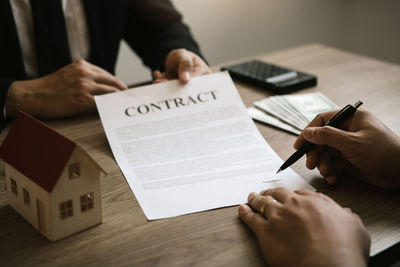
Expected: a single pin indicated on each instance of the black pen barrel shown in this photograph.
(298, 154)
(342, 116)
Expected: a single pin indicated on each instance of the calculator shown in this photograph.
(277, 79)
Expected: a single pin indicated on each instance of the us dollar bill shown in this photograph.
(291, 112)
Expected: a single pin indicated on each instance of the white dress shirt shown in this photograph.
(77, 31)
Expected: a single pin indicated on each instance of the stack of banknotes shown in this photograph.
(291, 113)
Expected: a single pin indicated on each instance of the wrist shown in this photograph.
(19, 97)
(339, 258)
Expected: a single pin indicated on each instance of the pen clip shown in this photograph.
(338, 114)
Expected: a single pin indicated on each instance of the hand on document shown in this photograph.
(291, 113)
(304, 228)
(181, 64)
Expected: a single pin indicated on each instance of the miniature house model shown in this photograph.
(51, 181)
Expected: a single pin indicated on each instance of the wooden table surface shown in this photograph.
(216, 237)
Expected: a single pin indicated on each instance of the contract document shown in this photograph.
(186, 148)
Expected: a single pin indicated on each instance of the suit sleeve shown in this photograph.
(154, 28)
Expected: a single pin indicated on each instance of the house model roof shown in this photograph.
(36, 150)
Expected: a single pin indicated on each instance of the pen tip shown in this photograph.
(278, 171)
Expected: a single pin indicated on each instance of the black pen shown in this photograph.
(335, 121)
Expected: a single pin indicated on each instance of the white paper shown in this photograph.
(189, 148)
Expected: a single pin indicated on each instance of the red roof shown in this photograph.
(36, 150)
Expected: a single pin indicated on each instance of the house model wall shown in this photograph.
(51, 181)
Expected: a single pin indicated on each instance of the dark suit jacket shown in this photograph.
(151, 27)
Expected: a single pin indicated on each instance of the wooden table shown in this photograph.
(216, 237)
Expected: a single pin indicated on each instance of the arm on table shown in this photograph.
(66, 92)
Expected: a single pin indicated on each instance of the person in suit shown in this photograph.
(57, 54)
(304, 228)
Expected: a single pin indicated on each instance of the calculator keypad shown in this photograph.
(259, 70)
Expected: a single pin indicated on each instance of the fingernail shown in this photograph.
(243, 207)
(186, 75)
(295, 146)
(308, 133)
(251, 195)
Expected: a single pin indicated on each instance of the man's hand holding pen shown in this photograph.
(365, 149)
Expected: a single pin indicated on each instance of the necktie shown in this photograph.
(12, 65)
(51, 41)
